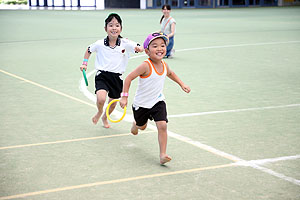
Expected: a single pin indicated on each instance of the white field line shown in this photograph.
(198, 144)
(238, 45)
(256, 164)
(83, 88)
(239, 161)
(271, 160)
(273, 173)
(233, 111)
(227, 46)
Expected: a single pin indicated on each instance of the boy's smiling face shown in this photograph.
(157, 49)
(113, 28)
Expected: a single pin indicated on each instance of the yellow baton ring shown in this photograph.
(107, 112)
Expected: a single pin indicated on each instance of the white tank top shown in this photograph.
(150, 88)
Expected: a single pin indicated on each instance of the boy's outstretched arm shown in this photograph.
(124, 95)
(139, 71)
(176, 79)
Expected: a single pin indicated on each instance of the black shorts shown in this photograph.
(109, 81)
(158, 112)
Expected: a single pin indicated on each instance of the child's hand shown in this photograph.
(123, 102)
(138, 49)
(83, 67)
(186, 88)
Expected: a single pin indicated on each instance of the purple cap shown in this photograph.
(153, 36)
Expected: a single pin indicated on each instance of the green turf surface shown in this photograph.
(242, 65)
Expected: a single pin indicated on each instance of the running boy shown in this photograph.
(149, 99)
(112, 54)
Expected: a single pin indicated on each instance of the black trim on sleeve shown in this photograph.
(138, 46)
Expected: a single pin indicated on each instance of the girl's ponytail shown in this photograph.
(161, 19)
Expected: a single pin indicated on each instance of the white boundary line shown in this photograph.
(276, 174)
(256, 164)
(271, 160)
(233, 111)
(238, 45)
(198, 144)
(83, 88)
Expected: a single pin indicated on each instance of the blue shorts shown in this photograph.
(158, 112)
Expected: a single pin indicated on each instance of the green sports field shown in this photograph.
(236, 136)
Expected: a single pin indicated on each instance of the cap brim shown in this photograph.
(165, 38)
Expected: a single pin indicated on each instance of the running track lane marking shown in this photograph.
(67, 141)
(238, 45)
(115, 181)
(47, 88)
(246, 163)
(271, 160)
(256, 164)
(233, 111)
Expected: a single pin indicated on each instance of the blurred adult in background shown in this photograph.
(168, 24)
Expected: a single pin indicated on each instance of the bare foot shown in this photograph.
(164, 159)
(96, 118)
(134, 129)
(105, 122)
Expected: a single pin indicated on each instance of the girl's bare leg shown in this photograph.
(162, 140)
(111, 109)
(135, 128)
(101, 97)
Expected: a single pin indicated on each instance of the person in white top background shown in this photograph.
(149, 101)
(112, 54)
(168, 26)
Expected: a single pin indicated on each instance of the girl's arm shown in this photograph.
(86, 57)
(138, 49)
(172, 30)
(176, 79)
(141, 70)
(132, 46)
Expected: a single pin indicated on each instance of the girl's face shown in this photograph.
(166, 12)
(113, 28)
(157, 49)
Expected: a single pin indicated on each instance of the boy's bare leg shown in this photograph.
(101, 97)
(111, 109)
(162, 140)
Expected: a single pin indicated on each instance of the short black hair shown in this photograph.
(166, 6)
(111, 16)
